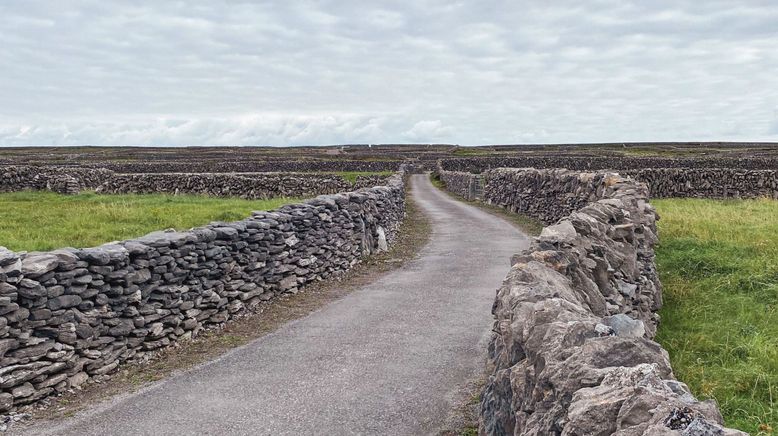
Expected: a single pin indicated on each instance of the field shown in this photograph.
(45, 220)
(718, 262)
(351, 176)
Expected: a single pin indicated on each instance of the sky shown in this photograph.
(283, 73)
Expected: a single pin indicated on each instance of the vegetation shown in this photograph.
(718, 262)
(351, 176)
(45, 220)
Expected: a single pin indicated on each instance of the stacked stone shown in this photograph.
(71, 314)
(599, 162)
(546, 195)
(244, 185)
(458, 182)
(708, 183)
(249, 166)
(71, 180)
(63, 184)
(664, 176)
(572, 349)
(19, 178)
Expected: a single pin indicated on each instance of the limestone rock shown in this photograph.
(37, 264)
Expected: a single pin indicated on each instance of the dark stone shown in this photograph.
(64, 301)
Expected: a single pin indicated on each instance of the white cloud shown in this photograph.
(334, 72)
(252, 129)
(427, 131)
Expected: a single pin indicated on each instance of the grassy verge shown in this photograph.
(718, 262)
(269, 316)
(46, 220)
(530, 226)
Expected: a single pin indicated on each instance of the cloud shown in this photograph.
(252, 129)
(428, 131)
(333, 72)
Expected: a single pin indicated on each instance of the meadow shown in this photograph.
(37, 221)
(718, 263)
(351, 176)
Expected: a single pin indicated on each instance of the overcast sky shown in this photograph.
(297, 73)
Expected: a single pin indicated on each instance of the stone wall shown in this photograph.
(662, 182)
(58, 179)
(71, 314)
(70, 180)
(572, 350)
(547, 194)
(250, 166)
(592, 163)
(708, 182)
(459, 182)
(245, 185)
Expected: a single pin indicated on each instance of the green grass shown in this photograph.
(351, 176)
(45, 220)
(718, 262)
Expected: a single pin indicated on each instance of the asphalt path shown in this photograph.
(392, 357)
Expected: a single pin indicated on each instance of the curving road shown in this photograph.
(389, 358)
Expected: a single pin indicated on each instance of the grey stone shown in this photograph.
(6, 401)
(7, 257)
(7, 345)
(623, 325)
(22, 391)
(64, 301)
(37, 264)
(562, 232)
(381, 243)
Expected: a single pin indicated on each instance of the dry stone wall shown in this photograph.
(245, 185)
(708, 183)
(546, 194)
(572, 350)
(59, 179)
(459, 182)
(594, 163)
(251, 166)
(72, 314)
(70, 180)
(663, 182)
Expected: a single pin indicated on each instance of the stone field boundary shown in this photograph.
(572, 349)
(71, 314)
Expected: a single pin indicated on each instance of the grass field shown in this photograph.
(45, 220)
(351, 176)
(718, 262)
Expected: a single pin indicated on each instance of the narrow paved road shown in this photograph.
(389, 358)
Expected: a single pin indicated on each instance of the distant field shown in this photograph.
(45, 220)
(351, 176)
(718, 262)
